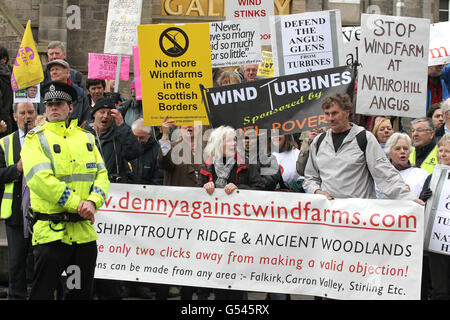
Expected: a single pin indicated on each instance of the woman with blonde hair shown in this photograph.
(382, 130)
(225, 168)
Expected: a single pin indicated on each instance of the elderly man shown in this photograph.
(68, 182)
(56, 50)
(145, 169)
(425, 153)
(345, 161)
(249, 72)
(13, 206)
(117, 145)
(60, 71)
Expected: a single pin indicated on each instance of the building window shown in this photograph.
(443, 10)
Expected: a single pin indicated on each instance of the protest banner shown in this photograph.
(265, 68)
(437, 212)
(251, 240)
(392, 78)
(439, 44)
(306, 42)
(174, 61)
(234, 43)
(257, 12)
(137, 73)
(104, 66)
(27, 68)
(121, 34)
(351, 39)
(289, 103)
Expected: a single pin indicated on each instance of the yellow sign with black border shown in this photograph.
(174, 61)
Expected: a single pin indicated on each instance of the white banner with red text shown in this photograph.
(261, 241)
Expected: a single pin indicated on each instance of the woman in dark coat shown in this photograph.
(225, 168)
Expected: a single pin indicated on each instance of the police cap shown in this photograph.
(58, 91)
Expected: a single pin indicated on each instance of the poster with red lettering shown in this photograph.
(253, 241)
(392, 77)
(256, 11)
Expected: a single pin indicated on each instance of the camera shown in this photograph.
(115, 178)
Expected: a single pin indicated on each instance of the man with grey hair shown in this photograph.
(57, 50)
(14, 203)
(425, 153)
(144, 168)
(445, 108)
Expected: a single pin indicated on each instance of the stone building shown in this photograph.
(81, 24)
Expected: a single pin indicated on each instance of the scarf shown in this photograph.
(223, 171)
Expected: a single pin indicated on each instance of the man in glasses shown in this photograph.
(425, 150)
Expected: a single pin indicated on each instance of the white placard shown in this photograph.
(439, 44)
(258, 11)
(121, 28)
(437, 237)
(351, 37)
(261, 241)
(306, 42)
(392, 78)
(234, 43)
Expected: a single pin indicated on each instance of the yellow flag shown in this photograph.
(27, 70)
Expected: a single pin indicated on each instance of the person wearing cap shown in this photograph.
(114, 138)
(68, 182)
(131, 109)
(57, 50)
(60, 71)
(117, 145)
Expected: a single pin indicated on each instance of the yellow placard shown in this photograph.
(174, 61)
(265, 68)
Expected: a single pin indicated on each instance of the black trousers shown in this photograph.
(440, 276)
(51, 259)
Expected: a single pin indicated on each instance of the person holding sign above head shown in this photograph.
(345, 161)
(178, 161)
(439, 264)
(225, 168)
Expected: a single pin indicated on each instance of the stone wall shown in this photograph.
(49, 22)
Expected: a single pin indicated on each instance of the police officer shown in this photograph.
(68, 182)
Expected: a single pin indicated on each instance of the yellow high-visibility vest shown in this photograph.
(430, 161)
(6, 144)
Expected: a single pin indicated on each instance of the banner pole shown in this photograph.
(119, 62)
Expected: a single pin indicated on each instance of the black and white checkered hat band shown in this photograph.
(57, 95)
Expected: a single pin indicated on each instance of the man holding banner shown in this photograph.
(350, 161)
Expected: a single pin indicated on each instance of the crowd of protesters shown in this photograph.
(395, 159)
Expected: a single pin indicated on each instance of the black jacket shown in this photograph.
(6, 97)
(118, 143)
(243, 175)
(144, 168)
(10, 174)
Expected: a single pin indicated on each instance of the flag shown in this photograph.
(27, 70)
